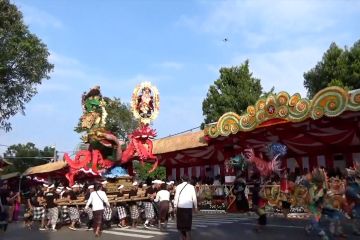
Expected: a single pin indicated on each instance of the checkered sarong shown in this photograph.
(74, 214)
(64, 213)
(38, 213)
(53, 215)
(121, 212)
(149, 210)
(89, 212)
(134, 212)
(107, 215)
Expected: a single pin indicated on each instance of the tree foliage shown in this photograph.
(338, 67)
(142, 172)
(23, 63)
(234, 91)
(23, 156)
(120, 120)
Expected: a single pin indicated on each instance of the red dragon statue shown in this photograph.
(86, 161)
(141, 146)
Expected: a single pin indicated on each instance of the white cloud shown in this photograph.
(254, 23)
(50, 86)
(42, 108)
(171, 65)
(178, 113)
(59, 59)
(35, 16)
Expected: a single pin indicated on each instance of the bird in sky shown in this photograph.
(225, 40)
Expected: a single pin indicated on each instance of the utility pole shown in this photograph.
(55, 157)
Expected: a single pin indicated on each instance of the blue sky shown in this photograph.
(177, 45)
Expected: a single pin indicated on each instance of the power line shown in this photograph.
(189, 130)
(26, 157)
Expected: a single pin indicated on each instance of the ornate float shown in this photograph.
(104, 148)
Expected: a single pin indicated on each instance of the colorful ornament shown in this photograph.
(265, 168)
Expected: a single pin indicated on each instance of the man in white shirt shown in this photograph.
(185, 202)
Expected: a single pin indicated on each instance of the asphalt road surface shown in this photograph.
(205, 227)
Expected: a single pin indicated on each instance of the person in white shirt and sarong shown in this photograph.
(99, 201)
(163, 197)
(185, 203)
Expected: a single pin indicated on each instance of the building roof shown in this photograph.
(45, 168)
(179, 142)
(10, 175)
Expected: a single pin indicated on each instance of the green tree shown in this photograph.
(234, 91)
(120, 119)
(142, 171)
(23, 63)
(338, 67)
(23, 156)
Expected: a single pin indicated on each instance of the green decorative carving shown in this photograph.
(330, 102)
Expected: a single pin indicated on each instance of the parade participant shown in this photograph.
(73, 210)
(148, 205)
(64, 209)
(37, 211)
(121, 209)
(242, 203)
(163, 197)
(171, 189)
(134, 211)
(3, 217)
(99, 201)
(333, 214)
(285, 194)
(317, 193)
(51, 207)
(103, 185)
(89, 211)
(353, 198)
(259, 207)
(185, 202)
(4, 195)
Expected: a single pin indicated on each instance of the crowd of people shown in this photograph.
(54, 206)
(51, 204)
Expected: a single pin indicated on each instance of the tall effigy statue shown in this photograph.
(105, 149)
(145, 105)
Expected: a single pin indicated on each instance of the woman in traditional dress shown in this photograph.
(99, 201)
(163, 197)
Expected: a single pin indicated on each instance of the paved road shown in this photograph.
(206, 227)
